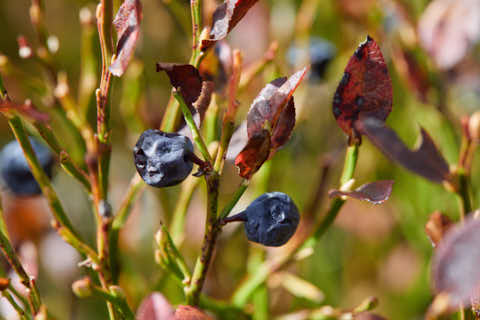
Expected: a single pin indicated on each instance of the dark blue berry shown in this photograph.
(163, 159)
(15, 172)
(271, 219)
(321, 52)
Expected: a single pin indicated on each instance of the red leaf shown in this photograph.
(271, 103)
(127, 24)
(455, 264)
(425, 161)
(437, 226)
(225, 18)
(376, 192)
(26, 109)
(254, 154)
(448, 29)
(155, 307)
(190, 313)
(365, 89)
(188, 81)
(284, 127)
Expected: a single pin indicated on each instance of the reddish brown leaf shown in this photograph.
(455, 264)
(365, 88)
(376, 192)
(225, 18)
(127, 24)
(425, 161)
(437, 226)
(448, 29)
(190, 313)
(26, 109)
(187, 80)
(283, 129)
(255, 153)
(155, 307)
(271, 102)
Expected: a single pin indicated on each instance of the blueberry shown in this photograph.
(321, 53)
(271, 219)
(163, 159)
(14, 169)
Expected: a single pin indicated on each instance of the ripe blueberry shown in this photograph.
(271, 219)
(163, 159)
(14, 169)
(321, 52)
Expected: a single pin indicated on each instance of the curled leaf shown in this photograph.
(253, 155)
(425, 161)
(448, 29)
(365, 88)
(455, 264)
(376, 192)
(127, 24)
(271, 117)
(155, 307)
(188, 81)
(26, 109)
(273, 109)
(437, 226)
(225, 18)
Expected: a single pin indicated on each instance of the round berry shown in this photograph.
(271, 219)
(14, 169)
(163, 159)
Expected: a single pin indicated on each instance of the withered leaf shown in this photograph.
(376, 192)
(425, 161)
(188, 81)
(437, 226)
(283, 129)
(127, 24)
(365, 88)
(190, 313)
(455, 264)
(26, 109)
(225, 18)
(155, 307)
(448, 29)
(254, 154)
(268, 108)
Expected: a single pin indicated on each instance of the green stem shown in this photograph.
(463, 195)
(195, 7)
(197, 138)
(236, 197)
(351, 158)
(116, 300)
(192, 292)
(14, 304)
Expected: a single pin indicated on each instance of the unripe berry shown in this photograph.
(14, 169)
(163, 159)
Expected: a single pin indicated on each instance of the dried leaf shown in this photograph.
(188, 81)
(155, 307)
(455, 264)
(365, 88)
(268, 108)
(376, 192)
(437, 226)
(448, 29)
(255, 153)
(225, 18)
(190, 313)
(301, 288)
(127, 24)
(283, 129)
(203, 101)
(425, 161)
(26, 109)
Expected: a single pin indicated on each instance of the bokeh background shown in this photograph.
(379, 251)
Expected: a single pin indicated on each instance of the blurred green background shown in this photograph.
(379, 251)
